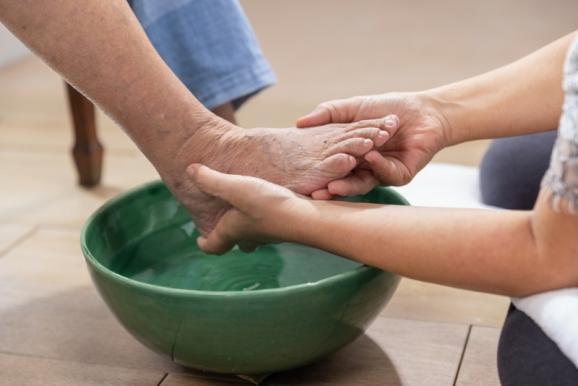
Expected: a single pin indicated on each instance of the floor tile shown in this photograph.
(425, 301)
(73, 325)
(50, 308)
(191, 380)
(47, 262)
(11, 234)
(479, 366)
(21, 370)
(46, 191)
(392, 352)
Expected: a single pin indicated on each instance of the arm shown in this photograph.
(505, 252)
(100, 48)
(520, 98)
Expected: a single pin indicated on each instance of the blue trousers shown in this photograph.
(209, 45)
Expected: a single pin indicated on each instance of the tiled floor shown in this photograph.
(55, 330)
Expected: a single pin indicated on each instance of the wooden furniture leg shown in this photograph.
(87, 151)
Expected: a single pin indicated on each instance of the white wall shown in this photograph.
(10, 48)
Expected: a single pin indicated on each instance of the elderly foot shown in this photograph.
(301, 160)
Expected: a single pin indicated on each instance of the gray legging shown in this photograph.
(510, 177)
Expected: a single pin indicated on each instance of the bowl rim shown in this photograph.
(295, 288)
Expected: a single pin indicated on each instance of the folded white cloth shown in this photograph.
(556, 312)
(444, 186)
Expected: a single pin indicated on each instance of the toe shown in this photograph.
(387, 127)
(338, 165)
(355, 146)
(387, 123)
(375, 134)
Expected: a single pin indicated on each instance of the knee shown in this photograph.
(512, 168)
(526, 356)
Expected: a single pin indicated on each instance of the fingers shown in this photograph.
(360, 182)
(337, 111)
(228, 232)
(230, 188)
(388, 125)
(247, 246)
(214, 243)
(389, 170)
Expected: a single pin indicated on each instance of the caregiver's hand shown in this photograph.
(260, 210)
(420, 130)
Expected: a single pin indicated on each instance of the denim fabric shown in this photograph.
(209, 45)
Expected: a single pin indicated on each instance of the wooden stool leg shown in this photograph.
(87, 151)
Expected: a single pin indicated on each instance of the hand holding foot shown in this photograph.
(418, 131)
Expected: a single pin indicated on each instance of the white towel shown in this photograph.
(556, 312)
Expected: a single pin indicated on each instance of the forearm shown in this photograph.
(489, 251)
(520, 98)
(100, 48)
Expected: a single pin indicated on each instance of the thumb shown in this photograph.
(319, 116)
(388, 170)
(231, 188)
(214, 243)
(337, 111)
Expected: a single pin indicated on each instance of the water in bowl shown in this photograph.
(169, 257)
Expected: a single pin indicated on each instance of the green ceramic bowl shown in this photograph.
(275, 309)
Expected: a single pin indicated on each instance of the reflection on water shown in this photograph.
(169, 257)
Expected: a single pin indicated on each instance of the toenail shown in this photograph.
(389, 122)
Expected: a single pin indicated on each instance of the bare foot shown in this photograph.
(301, 160)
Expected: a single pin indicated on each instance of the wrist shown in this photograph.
(447, 112)
(294, 220)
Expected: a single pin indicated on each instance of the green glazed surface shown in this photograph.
(280, 307)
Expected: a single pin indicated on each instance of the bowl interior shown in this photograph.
(145, 235)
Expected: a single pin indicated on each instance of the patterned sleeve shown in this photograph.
(562, 176)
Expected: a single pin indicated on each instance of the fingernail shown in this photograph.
(368, 142)
(389, 122)
(383, 134)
